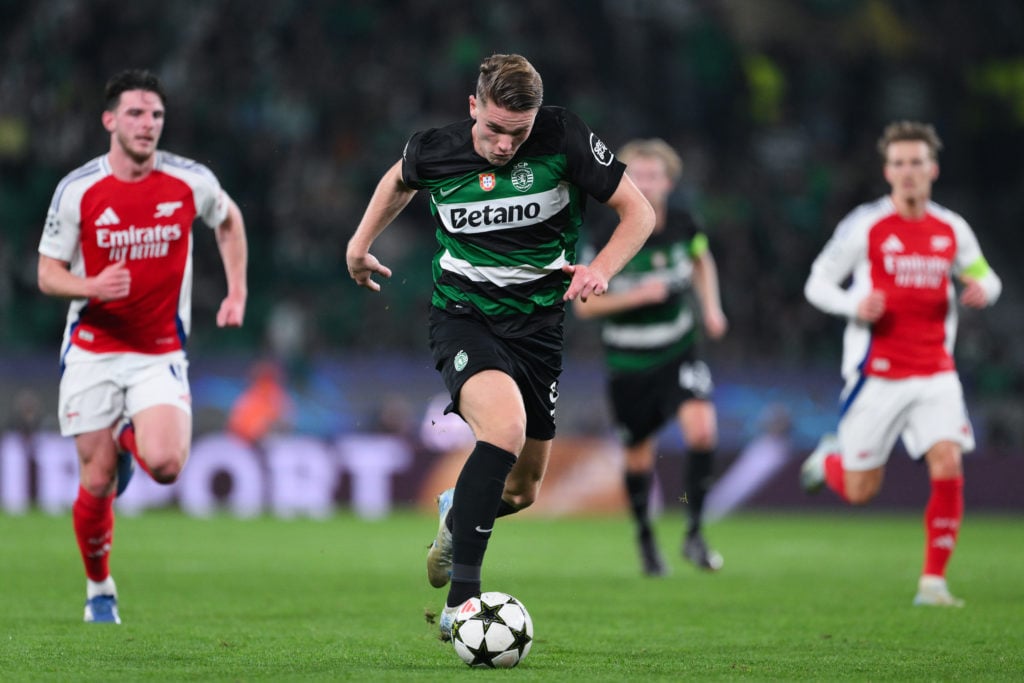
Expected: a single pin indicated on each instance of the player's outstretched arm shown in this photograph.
(636, 221)
(234, 252)
(391, 196)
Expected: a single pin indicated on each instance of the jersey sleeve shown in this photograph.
(968, 251)
(62, 230)
(835, 263)
(970, 262)
(410, 161)
(689, 229)
(591, 164)
(211, 200)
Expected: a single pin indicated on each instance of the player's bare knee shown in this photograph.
(509, 437)
(99, 484)
(947, 467)
(522, 498)
(165, 473)
(859, 498)
(702, 440)
(165, 467)
(948, 472)
(860, 495)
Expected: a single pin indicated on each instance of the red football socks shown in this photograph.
(94, 528)
(835, 477)
(942, 517)
(126, 442)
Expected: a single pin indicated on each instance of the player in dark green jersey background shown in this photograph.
(649, 332)
(507, 193)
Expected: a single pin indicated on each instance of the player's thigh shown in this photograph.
(937, 414)
(860, 486)
(874, 416)
(491, 404)
(163, 428)
(640, 456)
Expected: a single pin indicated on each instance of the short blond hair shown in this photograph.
(653, 148)
(915, 131)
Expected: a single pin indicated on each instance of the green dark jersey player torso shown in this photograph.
(504, 232)
(651, 336)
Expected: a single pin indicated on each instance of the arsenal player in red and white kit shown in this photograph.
(118, 243)
(904, 254)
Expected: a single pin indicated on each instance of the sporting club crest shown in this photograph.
(522, 176)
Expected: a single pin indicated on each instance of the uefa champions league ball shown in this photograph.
(494, 631)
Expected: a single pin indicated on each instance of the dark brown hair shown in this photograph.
(131, 79)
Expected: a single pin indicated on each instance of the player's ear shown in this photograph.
(472, 107)
(935, 171)
(886, 174)
(108, 120)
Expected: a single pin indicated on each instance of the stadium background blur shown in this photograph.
(775, 106)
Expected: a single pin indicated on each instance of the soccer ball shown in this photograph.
(494, 631)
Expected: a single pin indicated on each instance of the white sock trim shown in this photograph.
(104, 587)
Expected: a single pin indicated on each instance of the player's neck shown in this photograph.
(127, 168)
(911, 208)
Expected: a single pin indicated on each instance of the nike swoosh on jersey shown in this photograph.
(444, 193)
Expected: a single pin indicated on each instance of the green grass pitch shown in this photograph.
(801, 597)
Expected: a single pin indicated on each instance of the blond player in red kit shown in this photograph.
(118, 243)
(904, 253)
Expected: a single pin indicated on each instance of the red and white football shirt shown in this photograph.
(912, 261)
(95, 220)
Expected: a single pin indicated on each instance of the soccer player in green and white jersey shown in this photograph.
(508, 188)
(649, 331)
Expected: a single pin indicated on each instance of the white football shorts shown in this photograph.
(96, 389)
(921, 410)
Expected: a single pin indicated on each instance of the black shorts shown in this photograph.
(642, 402)
(463, 345)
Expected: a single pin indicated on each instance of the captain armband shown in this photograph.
(698, 245)
(986, 277)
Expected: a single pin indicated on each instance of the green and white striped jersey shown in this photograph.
(504, 232)
(649, 336)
